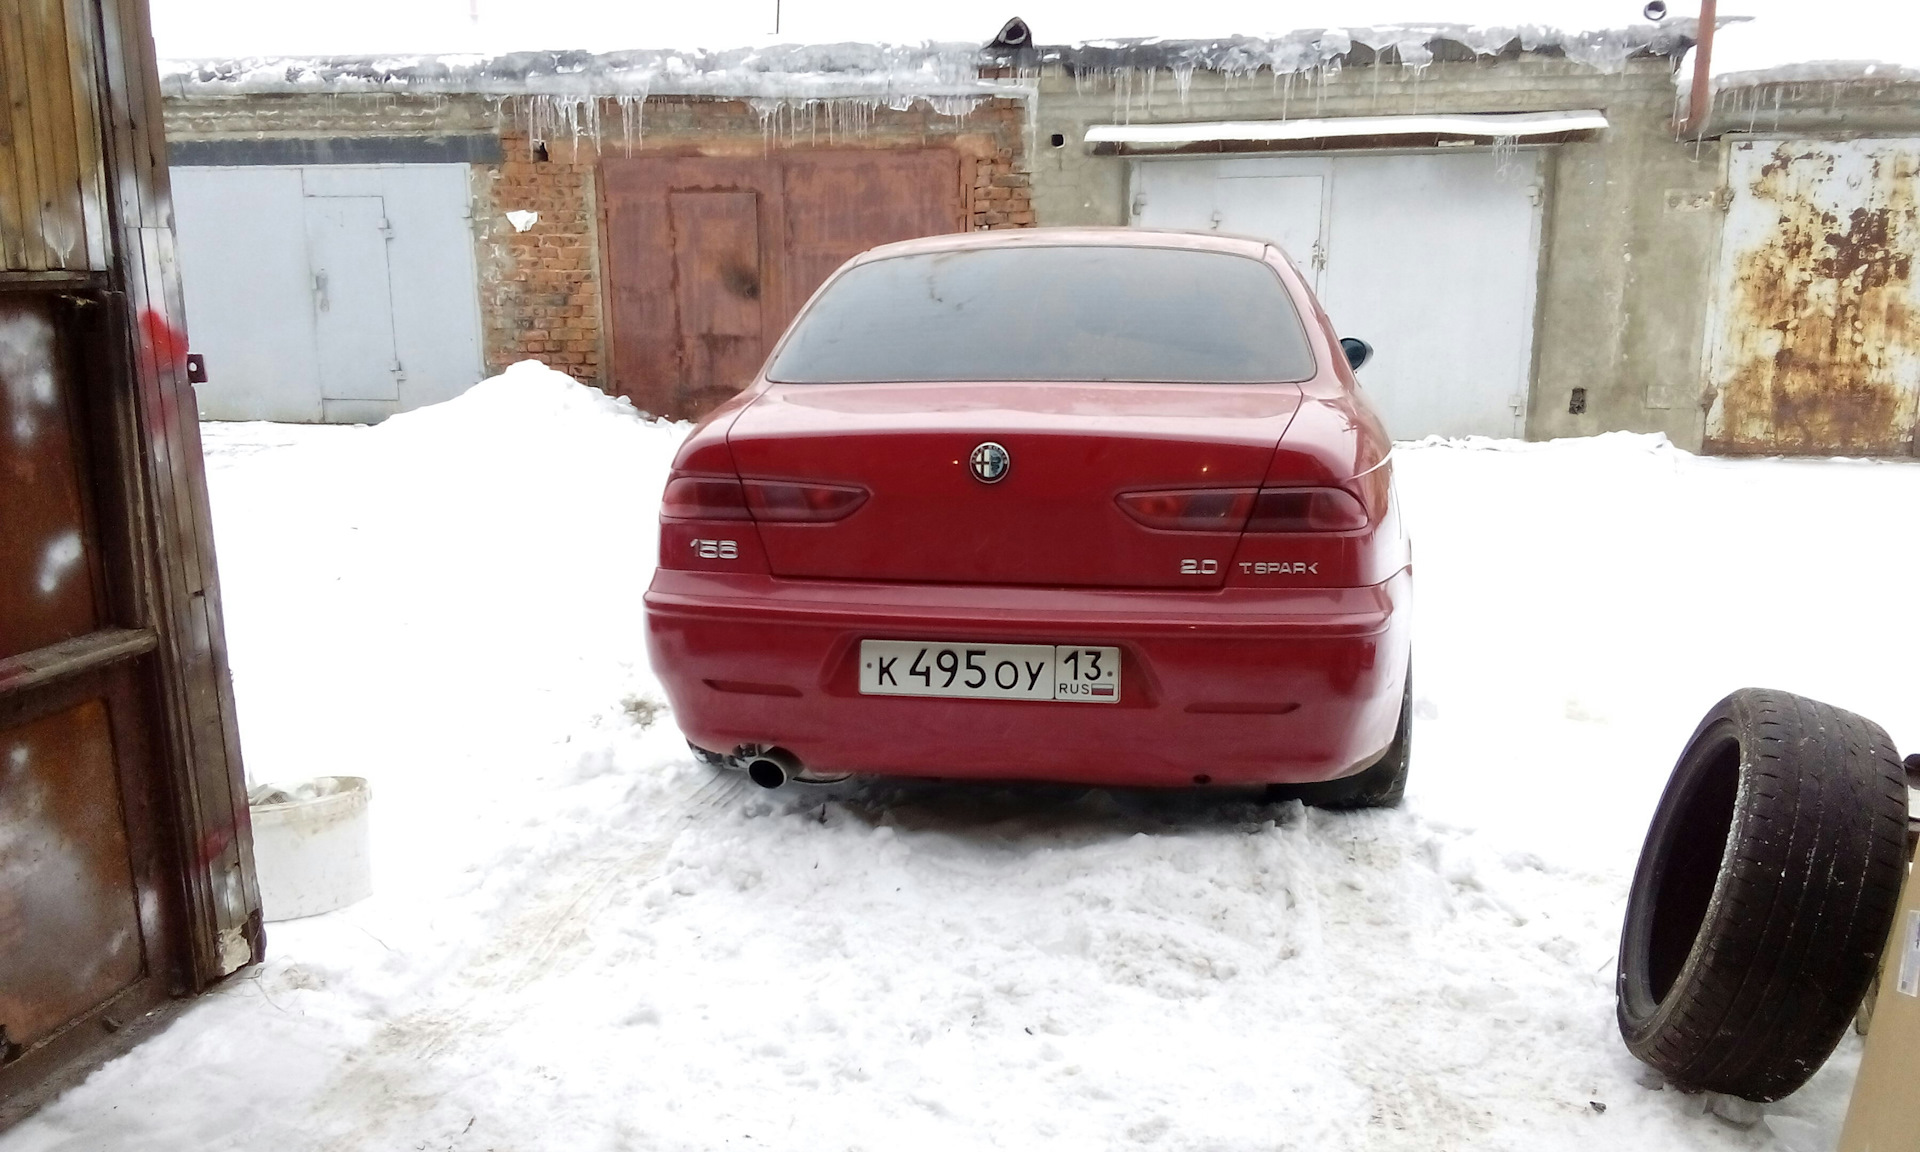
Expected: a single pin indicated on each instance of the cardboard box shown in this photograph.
(1884, 1114)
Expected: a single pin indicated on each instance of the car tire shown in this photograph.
(1381, 785)
(1763, 895)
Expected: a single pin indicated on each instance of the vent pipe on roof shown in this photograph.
(1701, 92)
(1013, 34)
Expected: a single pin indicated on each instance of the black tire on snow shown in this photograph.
(1763, 895)
(1381, 785)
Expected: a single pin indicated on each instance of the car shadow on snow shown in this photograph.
(1056, 812)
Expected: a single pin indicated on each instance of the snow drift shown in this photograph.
(580, 940)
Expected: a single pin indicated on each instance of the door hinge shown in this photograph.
(1536, 195)
(1139, 203)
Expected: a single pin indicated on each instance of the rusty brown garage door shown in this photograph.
(708, 258)
(1814, 337)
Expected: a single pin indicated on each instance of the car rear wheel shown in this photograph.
(1763, 895)
(1380, 786)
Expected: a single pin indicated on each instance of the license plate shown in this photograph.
(990, 671)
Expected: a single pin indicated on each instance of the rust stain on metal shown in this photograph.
(1819, 351)
(709, 257)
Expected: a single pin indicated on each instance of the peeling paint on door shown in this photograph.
(1815, 338)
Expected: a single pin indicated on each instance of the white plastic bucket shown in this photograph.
(310, 846)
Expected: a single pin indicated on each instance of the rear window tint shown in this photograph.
(1069, 313)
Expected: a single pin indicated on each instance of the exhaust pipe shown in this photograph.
(772, 767)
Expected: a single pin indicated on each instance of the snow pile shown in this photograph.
(432, 603)
(581, 940)
(1583, 602)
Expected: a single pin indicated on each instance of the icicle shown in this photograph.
(1504, 150)
(633, 108)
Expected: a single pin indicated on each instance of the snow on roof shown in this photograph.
(231, 28)
(886, 73)
(1476, 125)
(880, 48)
(880, 73)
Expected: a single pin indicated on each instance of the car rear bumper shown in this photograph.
(1236, 686)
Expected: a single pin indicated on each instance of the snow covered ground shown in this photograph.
(581, 940)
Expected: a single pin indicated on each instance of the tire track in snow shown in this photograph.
(397, 1066)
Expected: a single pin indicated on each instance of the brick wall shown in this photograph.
(540, 289)
(1002, 192)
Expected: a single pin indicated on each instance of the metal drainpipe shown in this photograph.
(1702, 69)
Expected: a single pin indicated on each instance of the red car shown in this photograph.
(1101, 506)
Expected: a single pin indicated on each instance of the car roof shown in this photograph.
(1076, 237)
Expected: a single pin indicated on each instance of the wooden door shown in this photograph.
(70, 935)
(78, 849)
(708, 259)
(126, 869)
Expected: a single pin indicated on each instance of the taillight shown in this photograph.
(1306, 510)
(768, 501)
(781, 502)
(1205, 510)
(704, 498)
(1247, 509)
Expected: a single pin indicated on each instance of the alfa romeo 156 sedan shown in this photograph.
(1098, 506)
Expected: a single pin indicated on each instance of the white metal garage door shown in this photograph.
(1431, 257)
(335, 293)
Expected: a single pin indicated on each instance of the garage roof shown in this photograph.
(1344, 132)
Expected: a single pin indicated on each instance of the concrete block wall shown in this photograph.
(1630, 224)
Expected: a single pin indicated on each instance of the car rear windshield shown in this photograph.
(1068, 313)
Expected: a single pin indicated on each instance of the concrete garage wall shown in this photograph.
(1632, 216)
(542, 293)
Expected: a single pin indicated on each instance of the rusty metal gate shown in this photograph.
(1814, 336)
(125, 865)
(708, 258)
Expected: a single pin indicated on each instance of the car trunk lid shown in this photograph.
(1051, 520)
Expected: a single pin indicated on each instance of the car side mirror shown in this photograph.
(1358, 351)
